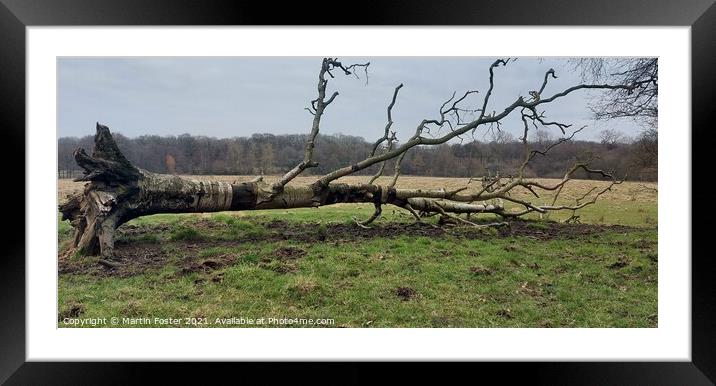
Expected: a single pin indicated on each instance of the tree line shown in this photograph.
(267, 154)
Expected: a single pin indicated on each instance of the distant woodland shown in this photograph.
(266, 154)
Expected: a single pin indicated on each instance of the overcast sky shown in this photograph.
(240, 96)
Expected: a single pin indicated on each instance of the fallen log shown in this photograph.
(117, 191)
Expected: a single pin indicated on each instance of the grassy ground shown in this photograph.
(315, 264)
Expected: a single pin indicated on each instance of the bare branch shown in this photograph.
(398, 162)
(377, 175)
(319, 105)
(389, 124)
(376, 214)
(497, 63)
(420, 140)
(546, 78)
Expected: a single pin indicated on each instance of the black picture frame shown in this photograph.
(16, 15)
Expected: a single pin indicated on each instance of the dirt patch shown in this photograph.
(529, 289)
(283, 260)
(621, 263)
(549, 230)
(644, 244)
(534, 266)
(285, 253)
(73, 310)
(546, 323)
(129, 259)
(405, 293)
(278, 230)
(480, 271)
(341, 232)
(190, 265)
(127, 231)
(278, 266)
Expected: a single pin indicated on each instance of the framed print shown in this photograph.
(201, 184)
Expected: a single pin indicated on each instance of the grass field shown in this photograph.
(316, 264)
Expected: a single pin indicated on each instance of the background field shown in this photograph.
(315, 263)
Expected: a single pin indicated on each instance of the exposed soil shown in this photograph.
(479, 271)
(621, 263)
(206, 265)
(284, 253)
(405, 293)
(138, 256)
(530, 289)
(284, 230)
(72, 311)
(130, 258)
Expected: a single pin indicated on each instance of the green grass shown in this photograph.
(238, 227)
(186, 234)
(605, 279)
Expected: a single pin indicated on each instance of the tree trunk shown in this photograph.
(118, 192)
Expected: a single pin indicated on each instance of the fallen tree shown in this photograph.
(117, 191)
